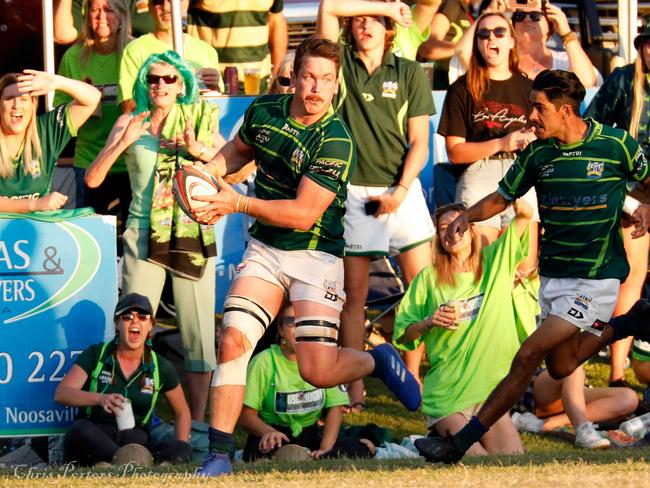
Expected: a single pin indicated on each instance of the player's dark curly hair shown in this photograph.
(561, 88)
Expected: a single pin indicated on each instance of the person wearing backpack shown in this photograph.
(106, 377)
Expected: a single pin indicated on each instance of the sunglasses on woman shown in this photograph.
(284, 81)
(168, 79)
(520, 16)
(499, 32)
(133, 315)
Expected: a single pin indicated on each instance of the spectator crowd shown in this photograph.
(331, 148)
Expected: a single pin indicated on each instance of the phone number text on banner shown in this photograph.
(58, 287)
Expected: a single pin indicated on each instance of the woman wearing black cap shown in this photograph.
(624, 102)
(120, 374)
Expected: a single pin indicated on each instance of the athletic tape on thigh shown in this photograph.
(318, 329)
(249, 318)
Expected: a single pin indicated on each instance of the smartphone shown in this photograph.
(371, 207)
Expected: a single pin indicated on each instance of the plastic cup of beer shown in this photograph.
(124, 416)
(455, 304)
(252, 81)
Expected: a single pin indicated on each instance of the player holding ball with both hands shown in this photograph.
(304, 155)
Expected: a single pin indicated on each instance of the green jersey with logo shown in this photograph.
(580, 191)
(111, 379)
(377, 107)
(285, 152)
(54, 131)
(276, 390)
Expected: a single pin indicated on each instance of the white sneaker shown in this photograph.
(587, 437)
(527, 422)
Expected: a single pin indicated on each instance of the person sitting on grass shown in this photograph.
(105, 375)
(552, 404)
(280, 407)
(469, 343)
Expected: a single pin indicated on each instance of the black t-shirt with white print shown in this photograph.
(504, 108)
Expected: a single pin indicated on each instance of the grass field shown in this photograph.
(548, 462)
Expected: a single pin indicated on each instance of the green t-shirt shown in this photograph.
(285, 152)
(408, 39)
(467, 363)
(101, 71)
(276, 390)
(580, 191)
(198, 54)
(141, 20)
(376, 108)
(131, 388)
(54, 131)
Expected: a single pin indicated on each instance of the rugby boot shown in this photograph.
(390, 368)
(439, 449)
(215, 464)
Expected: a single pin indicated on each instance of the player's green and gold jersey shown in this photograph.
(580, 191)
(285, 152)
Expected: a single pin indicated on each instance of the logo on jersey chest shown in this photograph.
(297, 157)
(105, 377)
(287, 128)
(148, 386)
(545, 171)
(263, 136)
(389, 89)
(595, 169)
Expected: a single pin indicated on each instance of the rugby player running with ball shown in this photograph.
(579, 169)
(304, 155)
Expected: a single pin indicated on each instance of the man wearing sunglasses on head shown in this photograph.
(534, 24)
(198, 54)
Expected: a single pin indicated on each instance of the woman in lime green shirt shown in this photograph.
(461, 307)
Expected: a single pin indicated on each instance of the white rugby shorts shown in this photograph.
(409, 226)
(587, 304)
(315, 276)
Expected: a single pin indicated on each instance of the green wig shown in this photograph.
(188, 96)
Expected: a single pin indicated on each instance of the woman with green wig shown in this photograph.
(168, 127)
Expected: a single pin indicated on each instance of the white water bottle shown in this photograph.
(637, 427)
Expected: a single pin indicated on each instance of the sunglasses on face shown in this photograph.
(284, 81)
(499, 32)
(520, 16)
(168, 79)
(130, 316)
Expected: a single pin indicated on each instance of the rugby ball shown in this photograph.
(191, 181)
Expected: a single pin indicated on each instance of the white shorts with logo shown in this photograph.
(306, 275)
(482, 178)
(407, 227)
(587, 304)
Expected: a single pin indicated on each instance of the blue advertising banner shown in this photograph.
(58, 287)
